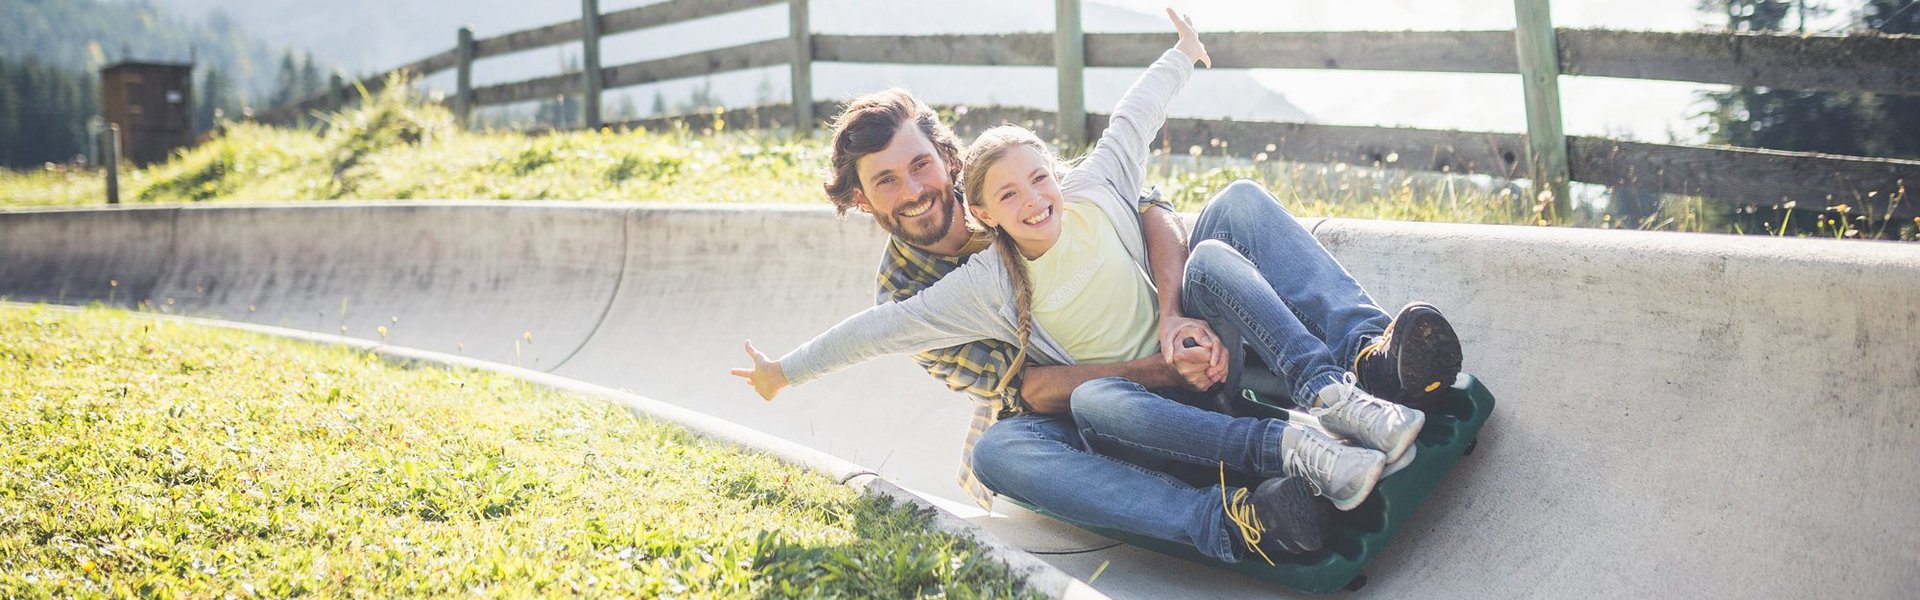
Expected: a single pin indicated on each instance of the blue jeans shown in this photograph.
(1259, 278)
(1056, 462)
(1254, 275)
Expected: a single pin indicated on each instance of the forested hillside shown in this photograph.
(51, 52)
(83, 35)
(43, 112)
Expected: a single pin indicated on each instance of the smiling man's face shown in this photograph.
(909, 191)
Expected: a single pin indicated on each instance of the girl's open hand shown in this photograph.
(766, 377)
(1189, 39)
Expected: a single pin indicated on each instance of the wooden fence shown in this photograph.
(1535, 50)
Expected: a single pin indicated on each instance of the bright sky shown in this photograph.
(1648, 111)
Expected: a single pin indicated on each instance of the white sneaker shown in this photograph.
(1350, 413)
(1307, 420)
(1344, 474)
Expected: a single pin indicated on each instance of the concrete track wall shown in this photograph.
(1681, 415)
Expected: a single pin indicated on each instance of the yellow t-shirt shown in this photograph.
(1090, 295)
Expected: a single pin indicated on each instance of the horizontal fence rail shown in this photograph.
(736, 58)
(1879, 64)
(1435, 51)
(1753, 175)
(1004, 49)
(1882, 64)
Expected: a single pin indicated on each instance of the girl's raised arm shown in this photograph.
(1120, 156)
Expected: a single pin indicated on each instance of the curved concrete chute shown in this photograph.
(1699, 415)
(1680, 415)
(79, 256)
(701, 280)
(511, 283)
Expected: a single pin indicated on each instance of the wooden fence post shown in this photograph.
(110, 158)
(1070, 62)
(463, 77)
(1539, 54)
(802, 62)
(590, 56)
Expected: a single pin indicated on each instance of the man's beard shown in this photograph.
(940, 222)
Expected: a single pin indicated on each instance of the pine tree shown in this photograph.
(216, 101)
(89, 100)
(659, 104)
(287, 84)
(9, 115)
(69, 127)
(309, 77)
(627, 111)
(36, 94)
(335, 83)
(563, 111)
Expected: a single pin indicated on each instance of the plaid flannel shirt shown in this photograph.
(973, 368)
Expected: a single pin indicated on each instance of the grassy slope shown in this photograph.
(171, 460)
(399, 148)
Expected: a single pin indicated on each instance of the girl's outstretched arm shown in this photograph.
(1119, 158)
(961, 307)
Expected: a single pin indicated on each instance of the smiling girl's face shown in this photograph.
(1021, 195)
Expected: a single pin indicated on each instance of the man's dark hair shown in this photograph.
(865, 127)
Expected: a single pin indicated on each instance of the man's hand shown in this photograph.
(1194, 366)
(766, 377)
(1207, 355)
(1189, 43)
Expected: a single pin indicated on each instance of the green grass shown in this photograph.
(168, 460)
(399, 147)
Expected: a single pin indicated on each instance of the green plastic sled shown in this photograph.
(1357, 536)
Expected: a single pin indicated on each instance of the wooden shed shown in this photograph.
(153, 105)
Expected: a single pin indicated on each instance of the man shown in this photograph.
(893, 159)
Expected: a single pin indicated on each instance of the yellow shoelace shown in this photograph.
(1373, 347)
(1240, 511)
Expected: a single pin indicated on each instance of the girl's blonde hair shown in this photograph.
(989, 148)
